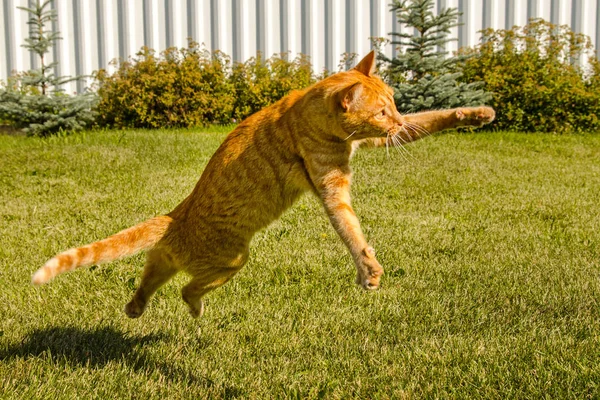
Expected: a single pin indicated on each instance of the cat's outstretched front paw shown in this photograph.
(369, 271)
(475, 116)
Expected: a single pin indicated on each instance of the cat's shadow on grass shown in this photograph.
(95, 348)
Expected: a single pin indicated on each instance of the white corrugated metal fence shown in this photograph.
(97, 31)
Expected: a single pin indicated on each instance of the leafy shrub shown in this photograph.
(181, 88)
(537, 81)
(259, 83)
(191, 87)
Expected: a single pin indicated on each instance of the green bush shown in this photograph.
(538, 81)
(259, 83)
(192, 87)
(180, 88)
(422, 75)
(43, 115)
(34, 100)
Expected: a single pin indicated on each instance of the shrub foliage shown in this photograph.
(34, 100)
(181, 87)
(259, 83)
(537, 78)
(422, 75)
(534, 73)
(192, 86)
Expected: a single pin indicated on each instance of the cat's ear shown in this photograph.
(367, 64)
(350, 95)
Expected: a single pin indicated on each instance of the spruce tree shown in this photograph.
(34, 100)
(422, 75)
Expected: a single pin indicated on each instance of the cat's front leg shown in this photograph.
(422, 124)
(439, 120)
(334, 190)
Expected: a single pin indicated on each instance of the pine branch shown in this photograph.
(421, 74)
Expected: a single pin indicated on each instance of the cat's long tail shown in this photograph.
(127, 242)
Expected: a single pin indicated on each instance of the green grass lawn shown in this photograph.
(491, 244)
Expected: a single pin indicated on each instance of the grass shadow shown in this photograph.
(94, 348)
(11, 131)
(98, 347)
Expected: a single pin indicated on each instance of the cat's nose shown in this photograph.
(398, 117)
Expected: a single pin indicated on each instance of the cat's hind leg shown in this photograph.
(157, 272)
(203, 282)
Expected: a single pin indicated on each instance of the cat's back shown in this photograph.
(264, 136)
(251, 179)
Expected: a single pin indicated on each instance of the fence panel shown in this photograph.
(97, 31)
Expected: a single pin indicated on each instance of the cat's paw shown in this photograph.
(133, 309)
(195, 308)
(475, 116)
(369, 271)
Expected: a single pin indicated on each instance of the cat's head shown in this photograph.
(363, 103)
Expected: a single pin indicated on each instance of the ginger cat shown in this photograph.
(301, 143)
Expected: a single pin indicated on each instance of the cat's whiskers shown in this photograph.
(419, 130)
(387, 144)
(399, 147)
(419, 127)
(413, 131)
(399, 142)
(408, 153)
(350, 135)
(406, 142)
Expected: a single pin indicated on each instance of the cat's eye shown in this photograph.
(381, 114)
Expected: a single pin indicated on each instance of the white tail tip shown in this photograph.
(44, 274)
(40, 277)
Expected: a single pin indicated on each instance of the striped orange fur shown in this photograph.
(301, 143)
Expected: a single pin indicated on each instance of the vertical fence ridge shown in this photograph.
(78, 42)
(192, 30)
(237, 30)
(57, 44)
(598, 28)
(9, 36)
(510, 14)
(33, 58)
(486, 21)
(350, 23)
(169, 29)
(329, 34)
(576, 15)
(554, 11)
(283, 27)
(463, 30)
(100, 33)
(261, 29)
(305, 24)
(214, 26)
(532, 11)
